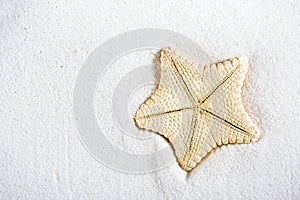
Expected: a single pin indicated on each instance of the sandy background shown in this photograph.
(43, 45)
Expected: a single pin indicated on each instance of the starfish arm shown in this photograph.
(172, 94)
(224, 102)
(209, 132)
(195, 143)
(186, 75)
(162, 112)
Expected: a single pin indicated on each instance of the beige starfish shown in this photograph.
(198, 111)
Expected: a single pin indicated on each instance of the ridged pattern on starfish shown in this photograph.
(198, 110)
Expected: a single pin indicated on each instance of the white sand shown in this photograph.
(42, 47)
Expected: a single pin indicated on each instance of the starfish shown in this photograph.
(195, 110)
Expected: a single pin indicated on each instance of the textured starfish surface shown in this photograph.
(198, 110)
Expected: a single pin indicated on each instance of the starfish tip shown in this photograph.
(244, 62)
(162, 54)
(139, 120)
